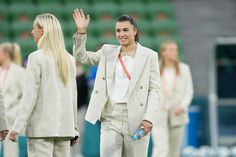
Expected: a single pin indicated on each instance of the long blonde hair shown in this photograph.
(162, 60)
(52, 42)
(14, 51)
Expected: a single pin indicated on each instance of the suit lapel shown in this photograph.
(139, 63)
(110, 68)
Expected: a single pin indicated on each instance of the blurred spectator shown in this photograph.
(11, 82)
(177, 93)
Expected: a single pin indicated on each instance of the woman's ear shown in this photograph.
(41, 31)
(135, 30)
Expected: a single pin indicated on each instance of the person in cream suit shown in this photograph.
(3, 119)
(48, 107)
(126, 92)
(11, 82)
(177, 93)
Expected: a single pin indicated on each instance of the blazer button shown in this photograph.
(96, 92)
(141, 104)
(141, 87)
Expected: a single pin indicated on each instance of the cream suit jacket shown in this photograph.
(144, 90)
(12, 91)
(3, 118)
(182, 97)
(48, 108)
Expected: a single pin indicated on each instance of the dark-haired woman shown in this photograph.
(126, 92)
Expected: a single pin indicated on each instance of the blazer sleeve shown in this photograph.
(74, 91)
(153, 103)
(188, 91)
(30, 93)
(80, 52)
(3, 119)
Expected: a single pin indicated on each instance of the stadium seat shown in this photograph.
(164, 28)
(27, 46)
(102, 28)
(160, 11)
(22, 1)
(68, 27)
(161, 0)
(4, 13)
(21, 29)
(148, 41)
(136, 9)
(144, 27)
(108, 40)
(106, 28)
(92, 43)
(105, 10)
(102, 1)
(53, 8)
(69, 8)
(22, 12)
(69, 44)
(47, 1)
(124, 1)
(5, 39)
(75, 1)
(4, 30)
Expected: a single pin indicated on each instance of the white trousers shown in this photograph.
(10, 149)
(115, 136)
(48, 147)
(76, 149)
(167, 140)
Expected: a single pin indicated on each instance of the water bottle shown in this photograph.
(139, 133)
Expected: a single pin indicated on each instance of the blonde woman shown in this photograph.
(48, 108)
(11, 82)
(177, 93)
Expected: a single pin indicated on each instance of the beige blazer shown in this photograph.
(183, 96)
(48, 108)
(12, 91)
(3, 118)
(144, 90)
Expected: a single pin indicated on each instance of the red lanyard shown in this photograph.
(124, 67)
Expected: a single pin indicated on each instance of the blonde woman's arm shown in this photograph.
(30, 93)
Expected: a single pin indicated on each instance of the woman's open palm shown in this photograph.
(81, 20)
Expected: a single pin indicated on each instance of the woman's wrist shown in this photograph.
(81, 31)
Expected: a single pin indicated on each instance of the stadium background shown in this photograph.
(204, 31)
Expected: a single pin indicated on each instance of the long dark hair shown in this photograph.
(129, 18)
